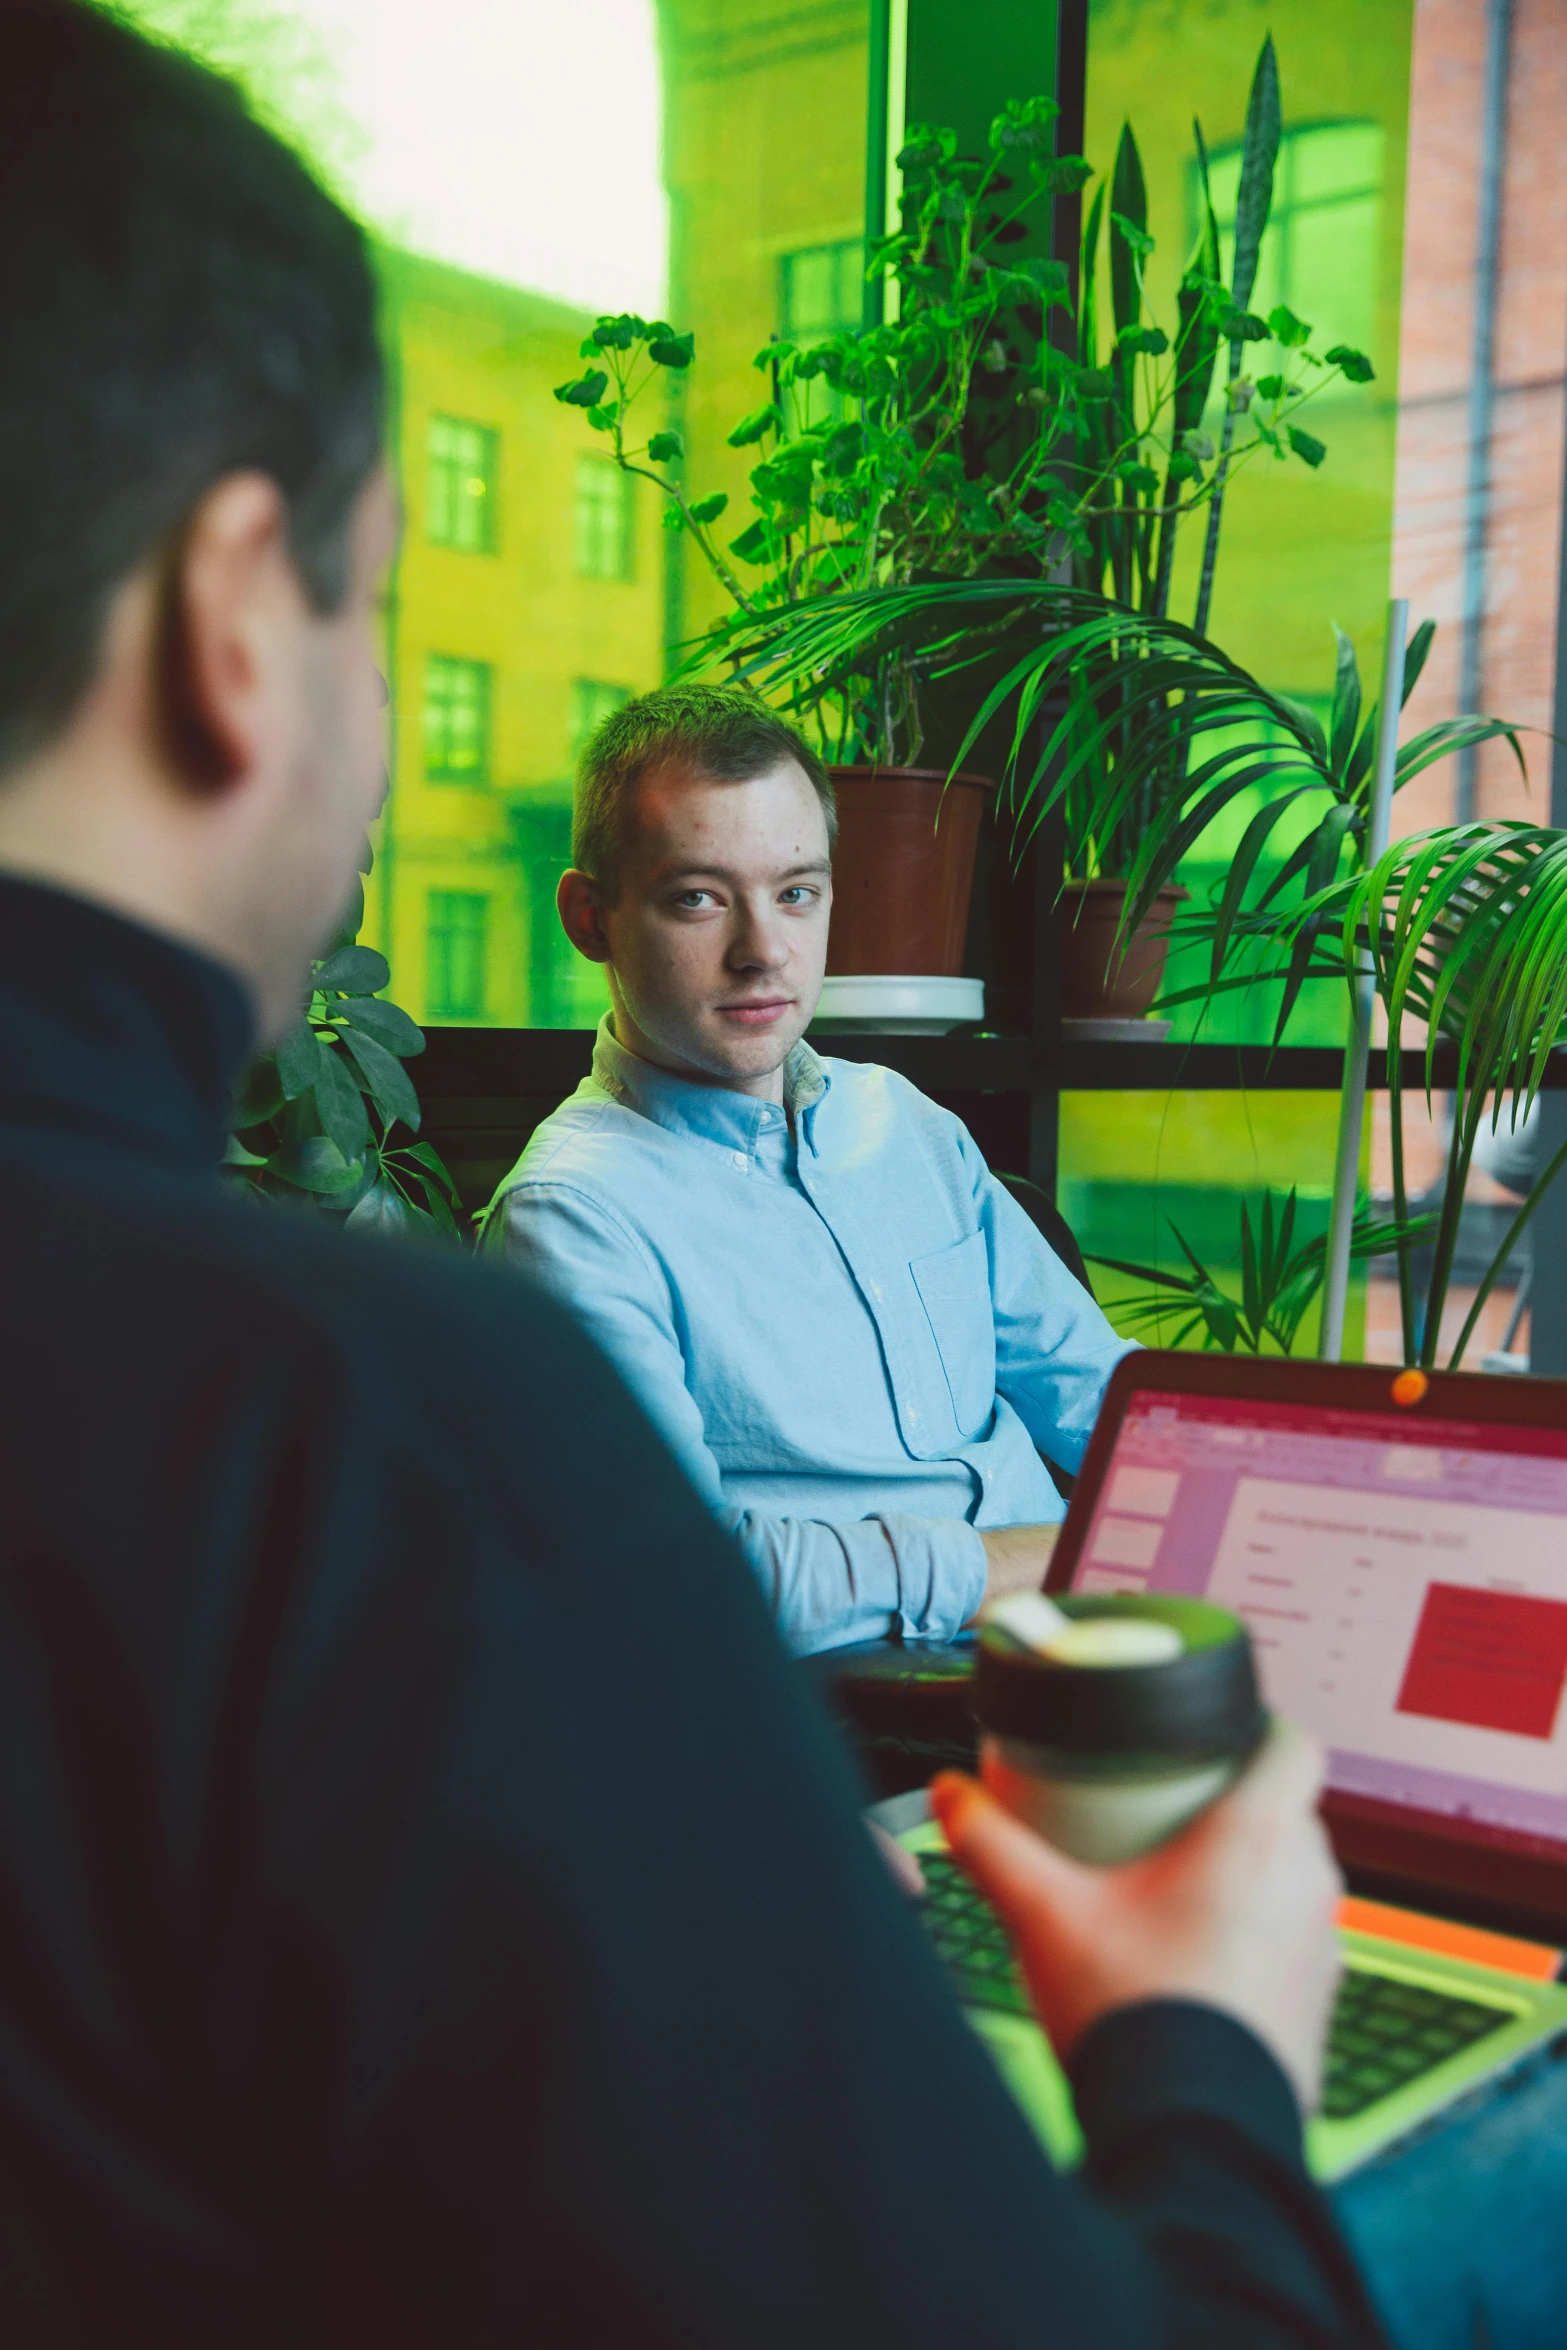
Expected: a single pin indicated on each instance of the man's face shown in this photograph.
(717, 935)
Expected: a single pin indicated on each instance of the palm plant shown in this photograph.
(1279, 1282)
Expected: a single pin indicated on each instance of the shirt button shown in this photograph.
(741, 1160)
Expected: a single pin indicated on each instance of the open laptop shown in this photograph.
(1397, 1545)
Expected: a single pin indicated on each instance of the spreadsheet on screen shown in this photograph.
(1405, 1584)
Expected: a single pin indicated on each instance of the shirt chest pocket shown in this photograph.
(954, 1289)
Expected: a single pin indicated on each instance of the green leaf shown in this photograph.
(751, 428)
(339, 1102)
(1128, 231)
(1150, 339)
(1259, 155)
(709, 509)
(666, 448)
(1272, 387)
(1287, 329)
(388, 1023)
(260, 1096)
(604, 419)
(1344, 725)
(390, 1084)
(613, 334)
(672, 350)
(297, 1057)
(673, 518)
(236, 1155)
(353, 970)
(382, 1210)
(1307, 447)
(754, 545)
(586, 392)
(1243, 326)
(1354, 365)
(314, 1163)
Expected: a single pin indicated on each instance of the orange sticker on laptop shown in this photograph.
(1411, 1387)
(1508, 1953)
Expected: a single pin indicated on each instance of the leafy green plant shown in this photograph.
(975, 432)
(315, 1118)
(1466, 930)
(1279, 1282)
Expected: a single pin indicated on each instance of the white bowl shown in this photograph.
(899, 1004)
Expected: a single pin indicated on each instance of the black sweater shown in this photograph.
(429, 1911)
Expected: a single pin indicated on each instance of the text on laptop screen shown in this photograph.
(1405, 1584)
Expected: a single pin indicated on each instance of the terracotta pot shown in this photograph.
(903, 871)
(1096, 983)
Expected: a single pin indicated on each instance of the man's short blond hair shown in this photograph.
(722, 732)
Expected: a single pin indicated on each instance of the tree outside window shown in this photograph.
(604, 510)
(1319, 253)
(461, 484)
(456, 719)
(456, 943)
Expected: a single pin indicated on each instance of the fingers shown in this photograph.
(1017, 1871)
(1284, 1776)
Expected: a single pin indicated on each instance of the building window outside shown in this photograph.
(592, 701)
(821, 290)
(456, 940)
(464, 464)
(1319, 251)
(604, 549)
(456, 719)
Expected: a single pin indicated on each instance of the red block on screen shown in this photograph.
(1494, 1659)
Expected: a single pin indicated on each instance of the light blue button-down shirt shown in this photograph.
(850, 1334)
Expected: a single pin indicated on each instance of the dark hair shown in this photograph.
(178, 300)
(721, 732)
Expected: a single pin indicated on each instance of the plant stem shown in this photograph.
(1537, 1192)
(1406, 1291)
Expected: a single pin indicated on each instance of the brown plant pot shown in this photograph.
(1096, 982)
(903, 870)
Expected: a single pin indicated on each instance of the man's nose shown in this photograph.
(759, 942)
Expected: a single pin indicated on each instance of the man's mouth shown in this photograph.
(757, 1011)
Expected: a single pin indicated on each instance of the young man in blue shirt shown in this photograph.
(855, 1340)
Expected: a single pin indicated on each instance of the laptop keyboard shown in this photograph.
(1384, 2033)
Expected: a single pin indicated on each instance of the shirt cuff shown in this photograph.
(942, 1569)
(1164, 2058)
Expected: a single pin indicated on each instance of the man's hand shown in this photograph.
(1236, 1911)
(1016, 1558)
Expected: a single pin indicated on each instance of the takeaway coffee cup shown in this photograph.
(1109, 1732)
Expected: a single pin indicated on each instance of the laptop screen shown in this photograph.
(1405, 1584)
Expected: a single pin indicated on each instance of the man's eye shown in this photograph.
(799, 894)
(692, 901)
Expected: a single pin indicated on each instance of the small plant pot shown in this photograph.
(903, 871)
(1097, 982)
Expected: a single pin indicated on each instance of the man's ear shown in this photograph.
(226, 577)
(579, 901)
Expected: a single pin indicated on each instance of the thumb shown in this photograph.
(1037, 1891)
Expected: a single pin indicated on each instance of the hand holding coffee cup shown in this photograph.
(1107, 1721)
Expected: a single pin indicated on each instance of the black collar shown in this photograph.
(113, 1032)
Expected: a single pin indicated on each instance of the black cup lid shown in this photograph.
(1203, 1702)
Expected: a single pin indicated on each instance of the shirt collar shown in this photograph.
(710, 1113)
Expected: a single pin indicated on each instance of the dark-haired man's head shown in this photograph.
(702, 879)
(193, 512)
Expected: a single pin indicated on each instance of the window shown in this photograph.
(591, 703)
(821, 290)
(460, 490)
(1319, 251)
(603, 520)
(456, 720)
(457, 924)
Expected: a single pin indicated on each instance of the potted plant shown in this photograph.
(981, 435)
(314, 1119)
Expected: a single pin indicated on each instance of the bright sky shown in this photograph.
(519, 138)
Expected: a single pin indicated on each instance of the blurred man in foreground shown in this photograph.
(427, 1913)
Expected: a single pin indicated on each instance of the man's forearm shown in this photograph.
(829, 1583)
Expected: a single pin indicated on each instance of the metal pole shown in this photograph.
(1357, 1054)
